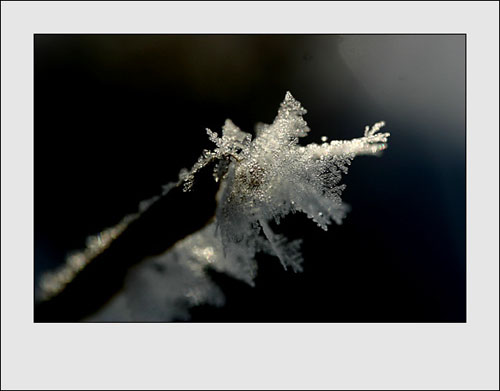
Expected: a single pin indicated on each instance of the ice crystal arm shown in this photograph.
(370, 144)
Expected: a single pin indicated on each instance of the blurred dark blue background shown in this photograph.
(117, 116)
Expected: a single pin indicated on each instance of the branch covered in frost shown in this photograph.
(262, 179)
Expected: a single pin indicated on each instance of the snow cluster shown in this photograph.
(270, 176)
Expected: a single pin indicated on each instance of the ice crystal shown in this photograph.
(270, 176)
(261, 180)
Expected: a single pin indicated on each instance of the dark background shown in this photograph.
(117, 116)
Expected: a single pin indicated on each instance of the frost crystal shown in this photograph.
(261, 180)
(270, 176)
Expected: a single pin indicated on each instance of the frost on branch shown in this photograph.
(261, 180)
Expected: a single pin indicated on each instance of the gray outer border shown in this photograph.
(346, 356)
